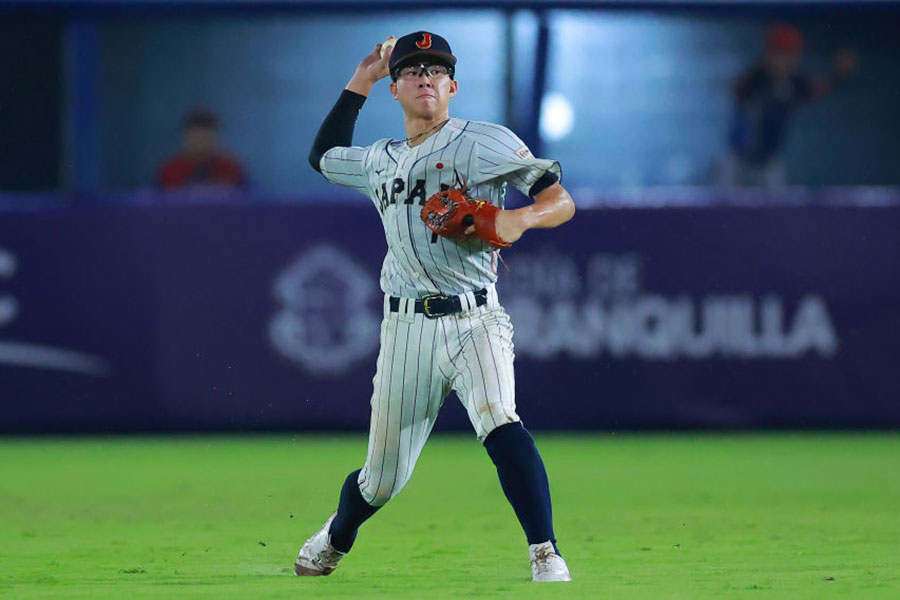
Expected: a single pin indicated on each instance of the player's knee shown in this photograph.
(370, 496)
(489, 425)
(380, 494)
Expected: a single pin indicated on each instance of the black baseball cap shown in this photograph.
(418, 45)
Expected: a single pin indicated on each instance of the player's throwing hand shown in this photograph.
(372, 68)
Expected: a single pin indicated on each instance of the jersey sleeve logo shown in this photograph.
(523, 152)
(425, 42)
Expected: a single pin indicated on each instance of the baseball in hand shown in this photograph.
(388, 43)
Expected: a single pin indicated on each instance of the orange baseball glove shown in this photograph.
(450, 212)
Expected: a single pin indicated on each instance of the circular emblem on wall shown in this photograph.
(326, 322)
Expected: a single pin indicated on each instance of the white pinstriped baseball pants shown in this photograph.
(419, 362)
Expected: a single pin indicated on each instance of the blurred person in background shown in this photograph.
(766, 97)
(202, 161)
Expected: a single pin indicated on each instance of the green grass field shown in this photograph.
(637, 516)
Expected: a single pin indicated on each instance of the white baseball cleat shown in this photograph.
(318, 556)
(546, 564)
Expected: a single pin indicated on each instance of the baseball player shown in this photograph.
(443, 326)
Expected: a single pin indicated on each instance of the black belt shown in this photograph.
(436, 305)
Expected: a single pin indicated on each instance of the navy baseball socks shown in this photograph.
(353, 510)
(523, 479)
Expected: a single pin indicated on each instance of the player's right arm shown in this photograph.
(337, 129)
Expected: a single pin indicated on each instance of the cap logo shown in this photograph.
(425, 42)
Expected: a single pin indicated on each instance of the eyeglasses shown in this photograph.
(413, 71)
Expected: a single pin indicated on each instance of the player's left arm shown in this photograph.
(552, 207)
(502, 155)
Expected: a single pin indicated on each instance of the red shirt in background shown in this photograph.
(222, 170)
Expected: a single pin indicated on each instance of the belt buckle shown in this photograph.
(427, 310)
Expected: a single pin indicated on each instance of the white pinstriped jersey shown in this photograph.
(399, 178)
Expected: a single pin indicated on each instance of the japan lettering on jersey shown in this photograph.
(399, 179)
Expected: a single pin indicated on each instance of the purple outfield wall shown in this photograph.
(266, 318)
